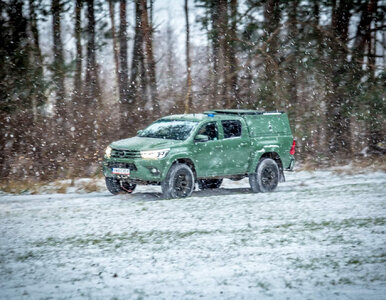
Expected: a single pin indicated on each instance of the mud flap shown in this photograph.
(281, 176)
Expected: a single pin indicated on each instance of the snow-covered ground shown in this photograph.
(319, 236)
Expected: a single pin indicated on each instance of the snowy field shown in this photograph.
(319, 236)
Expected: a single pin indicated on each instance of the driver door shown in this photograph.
(206, 156)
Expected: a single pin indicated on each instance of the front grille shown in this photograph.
(125, 154)
(122, 165)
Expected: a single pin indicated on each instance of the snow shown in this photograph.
(321, 235)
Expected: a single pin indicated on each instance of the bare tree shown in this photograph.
(123, 63)
(137, 76)
(78, 105)
(233, 99)
(148, 38)
(58, 66)
(79, 53)
(188, 100)
(219, 18)
(35, 31)
(91, 88)
(365, 45)
(114, 38)
(292, 72)
(339, 130)
(271, 27)
(38, 98)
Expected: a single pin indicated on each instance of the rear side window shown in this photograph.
(232, 128)
(209, 129)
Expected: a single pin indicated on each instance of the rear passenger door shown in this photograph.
(236, 147)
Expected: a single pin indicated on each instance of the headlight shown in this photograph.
(156, 154)
(108, 152)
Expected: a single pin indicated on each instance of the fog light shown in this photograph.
(153, 170)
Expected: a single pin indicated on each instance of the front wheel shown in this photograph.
(115, 186)
(266, 177)
(179, 182)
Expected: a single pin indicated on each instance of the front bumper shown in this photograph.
(146, 171)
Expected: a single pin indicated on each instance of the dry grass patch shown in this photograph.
(348, 167)
(21, 187)
(91, 186)
(363, 165)
(61, 187)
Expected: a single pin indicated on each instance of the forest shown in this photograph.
(76, 75)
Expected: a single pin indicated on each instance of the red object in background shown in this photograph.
(292, 151)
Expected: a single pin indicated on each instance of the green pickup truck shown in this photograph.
(179, 151)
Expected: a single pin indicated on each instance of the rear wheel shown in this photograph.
(205, 184)
(115, 186)
(179, 182)
(266, 177)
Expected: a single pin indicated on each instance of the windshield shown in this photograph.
(169, 129)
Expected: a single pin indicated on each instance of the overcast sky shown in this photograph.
(172, 11)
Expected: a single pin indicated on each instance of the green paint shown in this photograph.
(219, 155)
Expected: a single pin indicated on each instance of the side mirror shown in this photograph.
(201, 138)
(139, 132)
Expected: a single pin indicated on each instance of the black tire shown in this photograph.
(266, 177)
(114, 186)
(179, 182)
(205, 184)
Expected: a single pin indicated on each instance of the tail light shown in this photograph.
(292, 151)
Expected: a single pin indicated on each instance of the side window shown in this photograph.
(209, 129)
(232, 128)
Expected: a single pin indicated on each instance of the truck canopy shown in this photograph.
(260, 123)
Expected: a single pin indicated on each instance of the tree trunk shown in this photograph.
(115, 44)
(136, 76)
(363, 34)
(91, 89)
(219, 38)
(91, 85)
(292, 72)
(339, 130)
(38, 97)
(365, 38)
(151, 11)
(271, 24)
(58, 67)
(148, 38)
(224, 64)
(188, 100)
(170, 71)
(35, 34)
(124, 69)
(78, 105)
(214, 35)
(232, 78)
(79, 55)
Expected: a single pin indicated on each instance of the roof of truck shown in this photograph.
(220, 114)
(201, 117)
(243, 112)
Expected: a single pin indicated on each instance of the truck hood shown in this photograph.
(144, 143)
